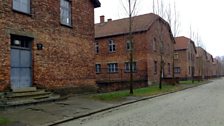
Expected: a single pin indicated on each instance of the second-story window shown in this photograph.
(97, 47)
(128, 45)
(22, 6)
(154, 44)
(112, 46)
(176, 56)
(65, 12)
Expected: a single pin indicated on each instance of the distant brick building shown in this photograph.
(207, 66)
(201, 63)
(47, 43)
(210, 66)
(184, 58)
(152, 38)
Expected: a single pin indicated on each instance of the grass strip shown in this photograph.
(142, 92)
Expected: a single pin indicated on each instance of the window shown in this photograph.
(112, 67)
(112, 47)
(65, 8)
(189, 56)
(128, 67)
(98, 68)
(21, 42)
(97, 47)
(168, 68)
(128, 45)
(155, 67)
(154, 44)
(22, 6)
(189, 69)
(176, 56)
(177, 70)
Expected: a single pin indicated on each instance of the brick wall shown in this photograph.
(67, 59)
(159, 31)
(186, 61)
(144, 56)
(121, 55)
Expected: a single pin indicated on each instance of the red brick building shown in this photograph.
(201, 63)
(206, 66)
(215, 68)
(209, 65)
(184, 58)
(152, 38)
(47, 43)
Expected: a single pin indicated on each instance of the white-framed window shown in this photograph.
(98, 68)
(65, 12)
(112, 46)
(128, 45)
(97, 48)
(189, 70)
(176, 56)
(169, 68)
(22, 6)
(112, 67)
(154, 44)
(128, 67)
(177, 70)
(155, 67)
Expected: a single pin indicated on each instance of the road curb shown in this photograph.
(67, 119)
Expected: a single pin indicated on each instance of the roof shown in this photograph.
(121, 26)
(201, 52)
(96, 3)
(182, 43)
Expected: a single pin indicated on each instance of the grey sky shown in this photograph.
(203, 16)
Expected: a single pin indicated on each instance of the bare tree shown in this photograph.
(169, 13)
(131, 10)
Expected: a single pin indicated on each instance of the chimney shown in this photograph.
(108, 20)
(102, 19)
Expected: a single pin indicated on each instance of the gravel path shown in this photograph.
(200, 106)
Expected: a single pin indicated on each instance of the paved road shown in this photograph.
(200, 106)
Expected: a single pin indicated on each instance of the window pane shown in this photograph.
(22, 5)
(65, 12)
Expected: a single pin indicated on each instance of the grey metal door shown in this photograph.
(21, 67)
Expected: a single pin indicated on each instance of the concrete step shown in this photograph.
(11, 95)
(27, 89)
(26, 96)
(20, 102)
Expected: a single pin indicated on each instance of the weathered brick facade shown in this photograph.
(67, 57)
(184, 58)
(207, 66)
(201, 62)
(149, 31)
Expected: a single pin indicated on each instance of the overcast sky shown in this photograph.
(205, 17)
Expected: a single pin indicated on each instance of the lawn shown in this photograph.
(142, 92)
(119, 95)
(188, 82)
(4, 121)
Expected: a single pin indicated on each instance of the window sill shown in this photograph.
(24, 13)
(113, 72)
(130, 71)
(65, 25)
(111, 52)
